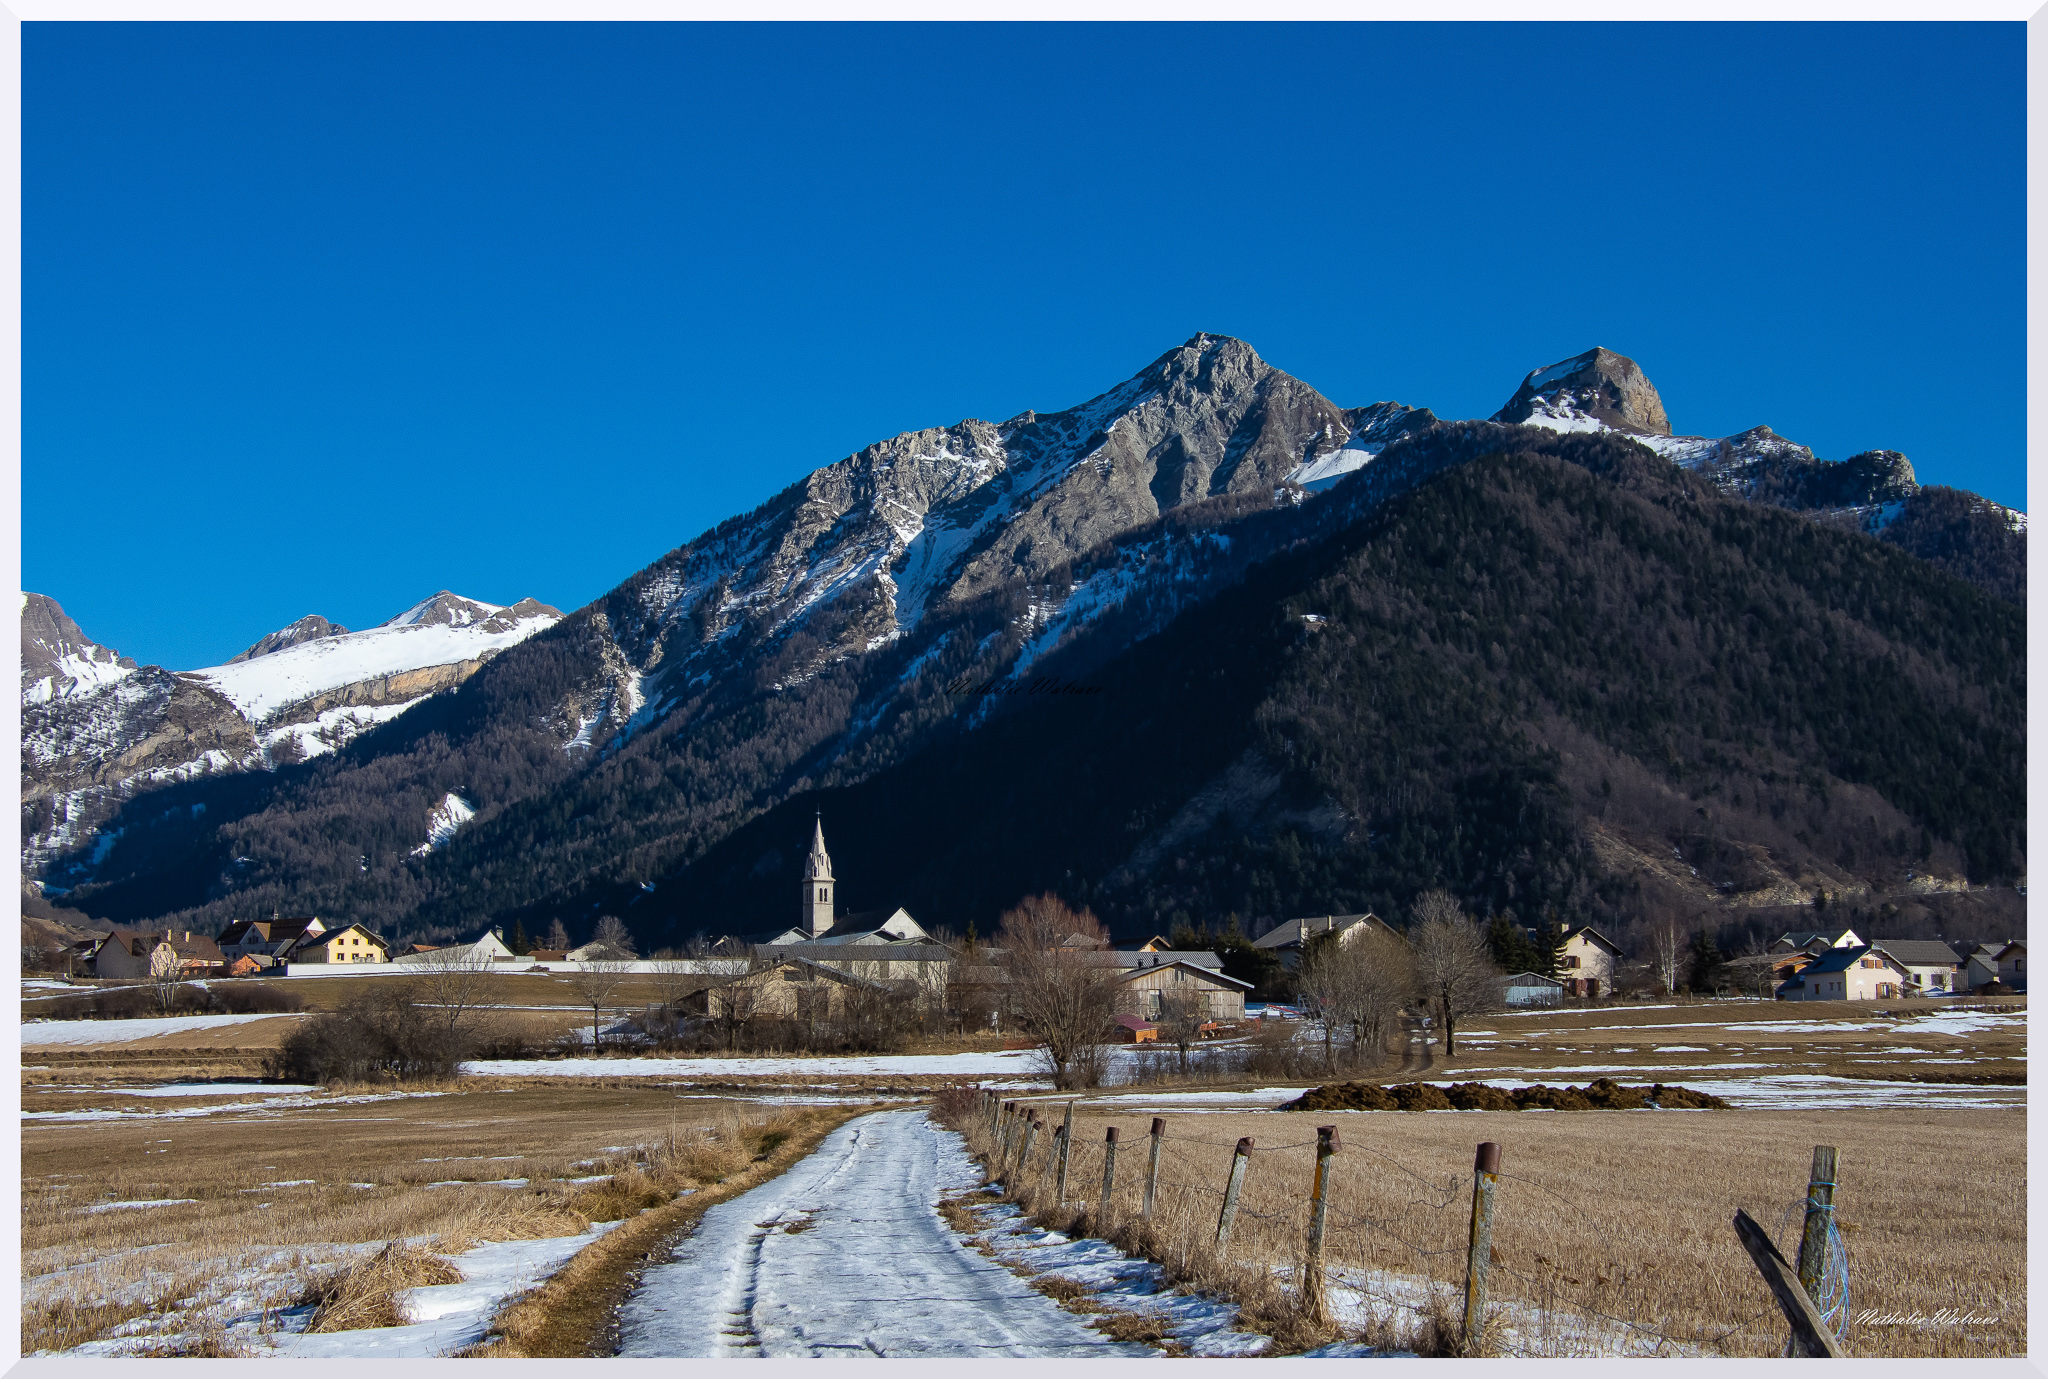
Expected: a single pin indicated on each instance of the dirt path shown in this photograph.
(845, 1254)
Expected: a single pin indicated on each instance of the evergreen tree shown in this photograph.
(519, 943)
(1709, 969)
(1511, 947)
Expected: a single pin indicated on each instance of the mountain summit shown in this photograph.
(1595, 390)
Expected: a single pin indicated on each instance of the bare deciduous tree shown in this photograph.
(1667, 946)
(613, 939)
(558, 937)
(456, 989)
(1062, 991)
(1180, 1020)
(166, 975)
(1454, 970)
(1358, 981)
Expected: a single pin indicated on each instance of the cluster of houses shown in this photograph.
(824, 960)
(1837, 965)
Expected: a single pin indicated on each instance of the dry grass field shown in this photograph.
(294, 1198)
(1613, 1232)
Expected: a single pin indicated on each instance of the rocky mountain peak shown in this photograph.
(447, 610)
(57, 658)
(310, 628)
(1596, 389)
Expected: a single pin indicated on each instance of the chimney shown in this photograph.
(498, 931)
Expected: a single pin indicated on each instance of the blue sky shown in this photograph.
(326, 318)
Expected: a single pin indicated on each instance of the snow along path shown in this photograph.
(845, 1254)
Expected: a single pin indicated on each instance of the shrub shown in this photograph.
(380, 1034)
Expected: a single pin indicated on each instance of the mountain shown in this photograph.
(97, 730)
(917, 633)
(1876, 491)
(306, 629)
(57, 659)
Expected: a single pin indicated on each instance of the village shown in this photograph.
(570, 1121)
(808, 970)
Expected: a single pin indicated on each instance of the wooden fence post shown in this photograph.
(1810, 1335)
(1820, 1208)
(1238, 1162)
(1315, 1301)
(1479, 1255)
(1005, 1136)
(1152, 1172)
(1066, 1152)
(1030, 1136)
(1108, 1178)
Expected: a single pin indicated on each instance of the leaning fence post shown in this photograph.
(1820, 1207)
(1152, 1172)
(1108, 1178)
(1810, 1335)
(1228, 1217)
(1066, 1151)
(1055, 1154)
(1008, 1127)
(1314, 1301)
(1485, 1178)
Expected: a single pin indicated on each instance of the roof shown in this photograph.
(1141, 957)
(817, 968)
(1213, 975)
(1289, 933)
(1532, 979)
(1800, 938)
(1919, 952)
(858, 927)
(199, 947)
(1589, 933)
(1132, 1022)
(1841, 960)
(238, 932)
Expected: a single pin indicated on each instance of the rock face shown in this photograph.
(306, 629)
(57, 658)
(1595, 390)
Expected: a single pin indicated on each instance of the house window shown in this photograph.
(1571, 962)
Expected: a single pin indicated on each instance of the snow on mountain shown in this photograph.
(58, 659)
(451, 814)
(442, 631)
(1372, 429)
(867, 549)
(306, 629)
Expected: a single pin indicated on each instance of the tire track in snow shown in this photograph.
(845, 1254)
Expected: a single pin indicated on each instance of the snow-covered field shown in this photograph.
(59, 1033)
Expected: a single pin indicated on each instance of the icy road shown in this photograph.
(845, 1254)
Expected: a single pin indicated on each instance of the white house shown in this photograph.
(1850, 974)
(1585, 961)
(489, 948)
(1933, 965)
(1816, 941)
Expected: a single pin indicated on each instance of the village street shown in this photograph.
(845, 1254)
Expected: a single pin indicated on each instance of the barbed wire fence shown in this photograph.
(1406, 1244)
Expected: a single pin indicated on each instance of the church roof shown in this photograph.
(818, 866)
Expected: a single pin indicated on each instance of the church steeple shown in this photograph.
(817, 906)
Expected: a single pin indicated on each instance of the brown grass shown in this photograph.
(365, 1292)
(1608, 1221)
(85, 1274)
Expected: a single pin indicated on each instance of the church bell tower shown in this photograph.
(818, 885)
